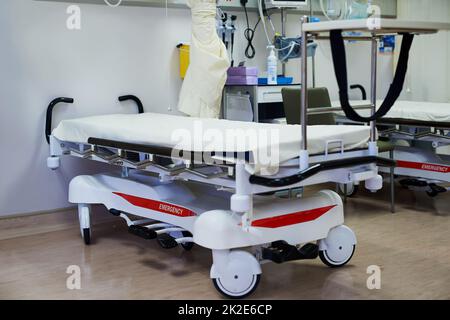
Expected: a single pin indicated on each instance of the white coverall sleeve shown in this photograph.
(202, 88)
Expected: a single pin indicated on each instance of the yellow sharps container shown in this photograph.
(184, 50)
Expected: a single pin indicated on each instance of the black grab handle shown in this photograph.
(360, 87)
(315, 169)
(49, 115)
(135, 99)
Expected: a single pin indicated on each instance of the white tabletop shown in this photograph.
(380, 26)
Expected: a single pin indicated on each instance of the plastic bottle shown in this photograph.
(358, 9)
(272, 66)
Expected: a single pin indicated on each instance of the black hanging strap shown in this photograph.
(340, 69)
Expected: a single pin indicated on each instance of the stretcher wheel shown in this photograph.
(229, 293)
(340, 247)
(324, 256)
(352, 189)
(84, 215)
(87, 236)
(238, 278)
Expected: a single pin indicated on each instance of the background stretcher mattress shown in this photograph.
(203, 135)
(411, 110)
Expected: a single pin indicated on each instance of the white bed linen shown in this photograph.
(410, 110)
(195, 134)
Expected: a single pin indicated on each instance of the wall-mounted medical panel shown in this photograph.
(388, 7)
(232, 4)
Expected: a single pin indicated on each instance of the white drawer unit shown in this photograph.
(271, 94)
(266, 101)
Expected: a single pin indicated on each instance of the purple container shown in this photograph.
(243, 71)
(242, 80)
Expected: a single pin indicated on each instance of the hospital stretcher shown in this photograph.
(239, 208)
(420, 133)
(224, 198)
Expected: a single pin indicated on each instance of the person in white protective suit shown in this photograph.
(202, 88)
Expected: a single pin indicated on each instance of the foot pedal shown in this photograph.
(142, 232)
(435, 190)
(413, 183)
(281, 251)
(309, 251)
(166, 241)
(115, 212)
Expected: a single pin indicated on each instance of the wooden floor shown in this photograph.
(411, 247)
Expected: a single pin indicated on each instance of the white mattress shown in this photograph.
(411, 110)
(194, 134)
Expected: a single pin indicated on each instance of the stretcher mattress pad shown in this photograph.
(279, 142)
(411, 110)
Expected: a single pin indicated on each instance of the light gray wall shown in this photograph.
(118, 51)
(428, 76)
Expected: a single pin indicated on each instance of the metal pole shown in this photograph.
(304, 84)
(373, 94)
(313, 70)
(283, 34)
(313, 58)
(392, 178)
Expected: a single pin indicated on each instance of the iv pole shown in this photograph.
(283, 34)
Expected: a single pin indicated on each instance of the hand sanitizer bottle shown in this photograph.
(272, 66)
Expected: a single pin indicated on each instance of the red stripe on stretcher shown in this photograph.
(157, 205)
(423, 166)
(292, 218)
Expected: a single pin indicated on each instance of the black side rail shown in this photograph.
(360, 87)
(319, 167)
(49, 115)
(135, 99)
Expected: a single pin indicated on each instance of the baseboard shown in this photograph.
(22, 225)
(36, 213)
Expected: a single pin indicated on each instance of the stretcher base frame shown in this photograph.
(218, 208)
(317, 220)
